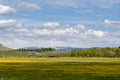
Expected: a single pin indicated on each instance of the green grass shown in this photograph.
(60, 68)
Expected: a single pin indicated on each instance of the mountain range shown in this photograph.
(69, 48)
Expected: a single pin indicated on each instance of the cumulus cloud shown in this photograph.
(80, 27)
(64, 35)
(6, 10)
(12, 25)
(15, 42)
(9, 24)
(4, 24)
(22, 30)
(94, 33)
(58, 32)
(54, 28)
(112, 24)
(53, 33)
(66, 31)
(41, 32)
(51, 24)
(29, 6)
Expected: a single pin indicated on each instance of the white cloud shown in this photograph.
(54, 28)
(9, 24)
(83, 3)
(105, 3)
(5, 10)
(41, 32)
(29, 6)
(65, 31)
(19, 42)
(67, 3)
(51, 24)
(58, 32)
(53, 33)
(12, 25)
(95, 33)
(63, 35)
(15, 43)
(112, 24)
(22, 30)
(80, 27)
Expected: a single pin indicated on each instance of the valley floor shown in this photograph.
(66, 68)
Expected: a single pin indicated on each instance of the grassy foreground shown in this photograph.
(60, 68)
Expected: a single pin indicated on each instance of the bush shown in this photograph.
(96, 52)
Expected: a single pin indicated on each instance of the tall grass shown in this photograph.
(60, 69)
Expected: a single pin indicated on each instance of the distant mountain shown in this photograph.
(69, 48)
(56, 48)
(31, 48)
(3, 48)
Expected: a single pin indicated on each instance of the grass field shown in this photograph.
(60, 68)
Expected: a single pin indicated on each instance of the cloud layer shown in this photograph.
(44, 23)
(55, 34)
(29, 6)
(5, 10)
(112, 24)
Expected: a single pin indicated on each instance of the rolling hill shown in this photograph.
(3, 48)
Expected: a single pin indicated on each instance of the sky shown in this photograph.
(53, 23)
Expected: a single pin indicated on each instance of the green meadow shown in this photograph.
(65, 68)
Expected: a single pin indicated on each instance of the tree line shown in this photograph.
(36, 49)
(97, 52)
(50, 52)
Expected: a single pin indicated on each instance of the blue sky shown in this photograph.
(51, 23)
